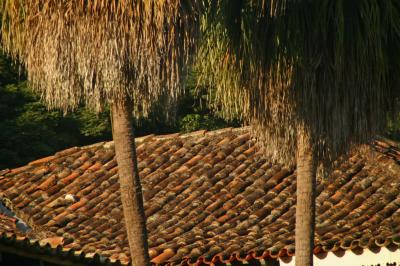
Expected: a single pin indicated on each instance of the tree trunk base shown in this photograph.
(305, 206)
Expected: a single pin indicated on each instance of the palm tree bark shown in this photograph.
(129, 180)
(305, 207)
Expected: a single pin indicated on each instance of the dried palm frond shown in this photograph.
(96, 51)
(331, 66)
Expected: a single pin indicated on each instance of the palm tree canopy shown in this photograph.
(330, 66)
(96, 51)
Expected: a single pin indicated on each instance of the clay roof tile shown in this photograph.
(210, 197)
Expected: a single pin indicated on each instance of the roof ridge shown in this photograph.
(391, 142)
(138, 140)
(202, 132)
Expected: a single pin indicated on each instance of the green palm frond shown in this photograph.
(331, 66)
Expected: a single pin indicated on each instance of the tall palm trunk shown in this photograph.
(130, 186)
(305, 207)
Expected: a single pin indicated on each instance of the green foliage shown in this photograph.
(193, 122)
(27, 129)
(93, 125)
(393, 125)
(195, 112)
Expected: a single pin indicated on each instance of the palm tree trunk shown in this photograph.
(305, 207)
(130, 186)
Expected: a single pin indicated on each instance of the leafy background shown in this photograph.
(28, 130)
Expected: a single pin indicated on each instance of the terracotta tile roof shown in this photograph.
(209, 197)
(8, 224)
